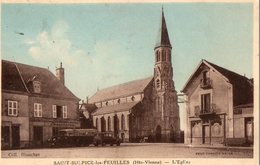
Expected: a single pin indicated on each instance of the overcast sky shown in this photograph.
(106, 44)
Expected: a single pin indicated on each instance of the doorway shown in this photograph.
(38, 135)
(205, 134)
(249, 130)
(15, 136)
(158, 133)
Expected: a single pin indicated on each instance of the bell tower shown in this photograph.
(163, 65)
(166, 109)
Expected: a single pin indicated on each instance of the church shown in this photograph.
(143, 109)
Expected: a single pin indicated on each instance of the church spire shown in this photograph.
(163, 37)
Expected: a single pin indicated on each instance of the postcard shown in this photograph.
(120, 83)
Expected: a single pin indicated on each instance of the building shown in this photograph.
(146, 108)
(35, 105)
(85, 114)
(219, 106)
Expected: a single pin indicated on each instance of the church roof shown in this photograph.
(115, 108)
(16, 77)
(121, 90)
(242, 86)
(163, 37)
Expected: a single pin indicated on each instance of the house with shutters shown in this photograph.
(144, 109)
(219, 107)
(35, 105)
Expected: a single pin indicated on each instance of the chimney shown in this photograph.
(60, 74)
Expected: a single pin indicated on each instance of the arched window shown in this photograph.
(157, 83)
(158, 104)
(118, 101)
(163, 55)
(122, 122)
(97, 123)
(109, 123)
(158, 56)
(107, 103)
(169, 56)
(133, 98)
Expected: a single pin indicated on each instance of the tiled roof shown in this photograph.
(126, 89)
(115, 108)
(16, 77)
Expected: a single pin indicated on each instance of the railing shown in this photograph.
(212, 109)
(206, 83)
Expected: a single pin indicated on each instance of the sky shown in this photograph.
(101, 45)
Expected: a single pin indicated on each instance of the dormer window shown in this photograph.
(37, 86)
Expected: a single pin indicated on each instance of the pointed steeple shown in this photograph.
(163, 37)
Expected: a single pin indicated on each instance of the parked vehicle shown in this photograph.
(109, 138)
(74, 137)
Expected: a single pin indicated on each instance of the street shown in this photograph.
(131, 150)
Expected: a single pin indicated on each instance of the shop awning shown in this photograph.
(115, 108)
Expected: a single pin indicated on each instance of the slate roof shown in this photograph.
(163, 37)
(126, 89)
(17, 76)
(115, 108)
(242, 86)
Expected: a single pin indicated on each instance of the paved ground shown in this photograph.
(132, 150)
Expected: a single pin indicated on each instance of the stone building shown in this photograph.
(35, 105)
(146, 108)
(219, 106)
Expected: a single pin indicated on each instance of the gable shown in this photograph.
(242, 86)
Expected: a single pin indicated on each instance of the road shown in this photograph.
(130, 150)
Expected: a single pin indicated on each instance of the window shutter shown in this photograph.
(64, 111)
(5, 112)
(35, 110)
(54, 111)
(9, 109)
(18, 107)
(40, 110)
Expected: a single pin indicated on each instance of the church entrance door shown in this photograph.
(158, 133)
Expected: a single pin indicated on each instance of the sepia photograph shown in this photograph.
(108, 83)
